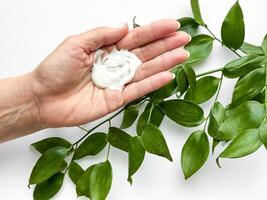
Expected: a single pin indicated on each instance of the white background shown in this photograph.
(31, 29)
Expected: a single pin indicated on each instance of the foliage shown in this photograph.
(242, 123)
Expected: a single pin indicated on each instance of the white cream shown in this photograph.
(114, 70)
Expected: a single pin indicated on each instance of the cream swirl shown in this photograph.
(114, 70)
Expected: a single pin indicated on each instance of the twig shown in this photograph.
(265, 87)
(103, 122)
(108, 152)
(214, 36)
(84, 129)
(215, 100)
(209, 72)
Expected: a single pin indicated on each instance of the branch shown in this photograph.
(103, 122)
(214, 36)
(215, 100)
(209, 72)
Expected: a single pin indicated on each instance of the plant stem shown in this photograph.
(120, 111)
(103, 122)
(108, 152)
(209, 72)
(265, 118)
(266, 88)
(215, 100)
(150, 112)
(214, 36)
(109, 123)
(84, 129)
(178, 96)
(72, 158)
(219, 88)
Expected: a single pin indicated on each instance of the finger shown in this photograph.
(146, 34)
(143, 87)
(99, 37)
(161, 46)
(161, 63)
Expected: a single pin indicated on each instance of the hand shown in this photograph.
(62, 86)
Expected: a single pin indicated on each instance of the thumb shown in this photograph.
(102, 36)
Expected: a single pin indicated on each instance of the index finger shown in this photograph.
(149, 33)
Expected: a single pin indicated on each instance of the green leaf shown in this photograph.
(129, 116)
(75, 172)
(248, 115)
(143, 120)
(233, 27)
(242, 66)
(185, 76)
(100, 181)
(49, 188)
(119, 139)
(200, 48)
(156, 116)
(251, 49)
(264, 44)
(92, 145)
(154, 142)
(175, 69)
(48, 143)
(194, 153)
(190, 75)
(183, 112)
(136, 156)
(260, 97)
(196, 12)
(137, 101)
(217, 116)
(249, 86)
(135, 25)
(63, 166)
(181, 80)
(188, 25)
(214, 145)
(83, 184)
(263, 133)
(48, 164)
(165, 91)
(205, 88)
(243, 145)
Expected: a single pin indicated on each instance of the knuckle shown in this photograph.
(143, 54)
(91, 44)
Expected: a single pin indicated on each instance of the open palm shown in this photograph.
(62, 84)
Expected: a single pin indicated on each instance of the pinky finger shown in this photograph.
(140, 88)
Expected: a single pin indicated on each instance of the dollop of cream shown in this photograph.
(115, 69)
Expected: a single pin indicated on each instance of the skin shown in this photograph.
(59, 92)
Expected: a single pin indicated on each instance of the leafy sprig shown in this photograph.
(242, 123)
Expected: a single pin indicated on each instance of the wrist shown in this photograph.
(31, 102)
(19, 112)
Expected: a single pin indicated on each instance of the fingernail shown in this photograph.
(125, 26)
(173, 76)
(182, 51)
(188, 53)
(179, 25)
(121, 24)
(189, 38)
